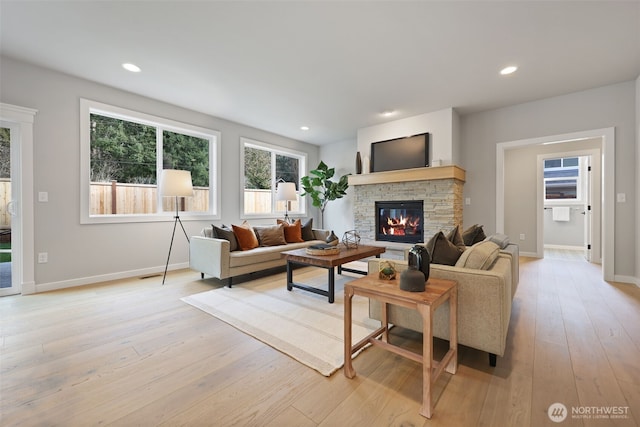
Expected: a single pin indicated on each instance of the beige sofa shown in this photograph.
(484, 303)
(213, 257)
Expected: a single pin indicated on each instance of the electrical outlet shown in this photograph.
(43, 257)
(522, 236)
(467, 201)
(43, 196)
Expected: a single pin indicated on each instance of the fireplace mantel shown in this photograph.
(405, 175)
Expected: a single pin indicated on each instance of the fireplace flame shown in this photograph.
(400, 226)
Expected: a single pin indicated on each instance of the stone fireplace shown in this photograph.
(439, 189)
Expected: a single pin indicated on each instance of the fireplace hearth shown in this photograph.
(400, 221)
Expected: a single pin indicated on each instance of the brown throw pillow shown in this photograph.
(473, 235)
(442, 250)
(270, 236)
(292, 232)
(246, 237)
(226, 234)
(307, 231)
(455, 238)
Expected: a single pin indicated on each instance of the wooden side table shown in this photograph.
(388, 292)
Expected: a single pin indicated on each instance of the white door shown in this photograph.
(587, 209)
(8, 209)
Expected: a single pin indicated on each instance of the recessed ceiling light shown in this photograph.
(304, 127)
(387, 113)
(508, 70)
(131, 67)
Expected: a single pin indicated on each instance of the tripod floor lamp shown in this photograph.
(175, 183)
(286, 191)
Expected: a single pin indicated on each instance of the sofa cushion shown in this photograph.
(307, 230)
(264, 254)
(292, 232)
(442, 251)
(480, 256)
(227, 234)
(270, 235)
(246, 236)
(473, 235)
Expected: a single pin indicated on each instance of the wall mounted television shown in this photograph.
(400, 153)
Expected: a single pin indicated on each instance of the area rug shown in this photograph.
(298, 323)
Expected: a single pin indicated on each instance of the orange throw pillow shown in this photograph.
(246, 237)
(292, 232)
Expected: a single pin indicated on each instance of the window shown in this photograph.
(123, 154)
(562, 179)
(263, 166)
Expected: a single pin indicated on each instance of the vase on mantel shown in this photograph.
(358, 163)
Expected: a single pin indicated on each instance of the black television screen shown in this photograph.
(400, 153)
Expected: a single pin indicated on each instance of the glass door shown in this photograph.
(7, 211)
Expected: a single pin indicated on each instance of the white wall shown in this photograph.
(440, 125)
(597, 108)
(638, 180)
(80, 254)
(339, 213)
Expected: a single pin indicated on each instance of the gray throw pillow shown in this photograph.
(473, 235)
(226, 234)
(307, 230)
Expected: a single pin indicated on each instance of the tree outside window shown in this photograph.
(264, 166)
(126, 153)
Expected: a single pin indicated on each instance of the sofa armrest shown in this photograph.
(484, 304)
(209, 256)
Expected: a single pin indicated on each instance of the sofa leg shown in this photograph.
(229, 281)
(492, 360)
(202, 275)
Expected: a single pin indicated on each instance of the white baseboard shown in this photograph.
(83, 281)
(529, 254)
(565, 247)
(627, 279)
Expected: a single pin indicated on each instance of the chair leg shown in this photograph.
(492, 360)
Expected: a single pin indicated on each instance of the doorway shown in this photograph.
(8, 138)
(568, 184)
(606, 202)
(19, 121)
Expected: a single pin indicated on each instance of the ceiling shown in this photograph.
(332, 66)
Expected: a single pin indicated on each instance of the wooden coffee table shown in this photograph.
(300, 256)
(388, 292)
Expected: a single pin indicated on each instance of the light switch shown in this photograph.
(622, 197)
(43, 196)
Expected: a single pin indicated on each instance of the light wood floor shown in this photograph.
(131, 353)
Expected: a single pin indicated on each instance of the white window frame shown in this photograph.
(274, 149)
(579, 182)
(88, 107)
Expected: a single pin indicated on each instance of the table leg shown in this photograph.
(349, 372)
(385, 321)
(289, 276)
(427, 360)
(332, 285)
(452, 367)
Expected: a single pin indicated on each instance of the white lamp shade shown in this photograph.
(286, 191)
(176, 183)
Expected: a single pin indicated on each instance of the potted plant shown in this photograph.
(319, 186)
